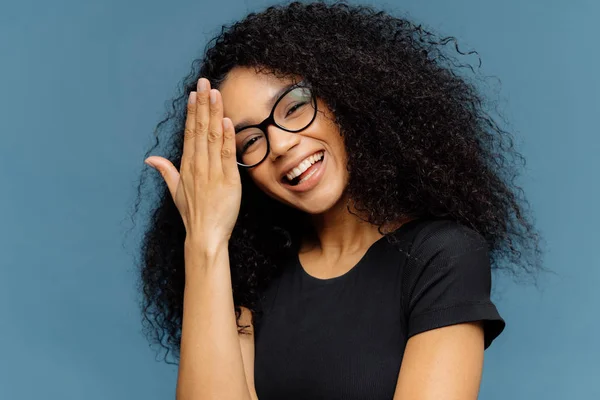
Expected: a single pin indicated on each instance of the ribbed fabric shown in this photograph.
(344, 338)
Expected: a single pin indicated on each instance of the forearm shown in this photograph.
(211, 365)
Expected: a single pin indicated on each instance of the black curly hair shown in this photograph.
(420, 139)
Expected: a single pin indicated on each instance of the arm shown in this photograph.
(247, 344)
(211, 364)
(442, 364)
(207, 192)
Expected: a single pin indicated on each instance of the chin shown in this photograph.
(322, 200)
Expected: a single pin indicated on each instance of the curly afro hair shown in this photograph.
(419, 140)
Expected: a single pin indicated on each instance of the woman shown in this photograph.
(339, 185)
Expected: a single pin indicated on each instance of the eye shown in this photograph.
(294, 108)
(250, 143)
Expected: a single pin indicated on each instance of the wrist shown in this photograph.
(202, 257)
(205, 245)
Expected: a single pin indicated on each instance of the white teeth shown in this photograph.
(304, 165)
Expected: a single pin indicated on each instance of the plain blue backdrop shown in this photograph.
(83, 85)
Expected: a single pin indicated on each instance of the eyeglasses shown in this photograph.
(294, 111)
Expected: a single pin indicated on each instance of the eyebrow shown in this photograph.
(269, 103)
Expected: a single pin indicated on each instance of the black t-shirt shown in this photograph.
(344, 338)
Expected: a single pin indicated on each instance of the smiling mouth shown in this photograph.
(305, 175)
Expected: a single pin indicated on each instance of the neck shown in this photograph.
(339, 232)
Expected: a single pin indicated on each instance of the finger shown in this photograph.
(201, 130)
(230, 168)
(190, 130)
(167, 170)
(215, 134)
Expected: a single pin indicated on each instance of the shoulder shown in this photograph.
(447, 279)
(446, 253)
(434, 236)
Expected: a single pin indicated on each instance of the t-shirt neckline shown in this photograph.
(364, 259)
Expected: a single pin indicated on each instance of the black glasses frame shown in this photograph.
(270, 120)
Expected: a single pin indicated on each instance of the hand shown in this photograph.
(208, 190)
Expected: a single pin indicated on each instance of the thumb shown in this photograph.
(167, 170)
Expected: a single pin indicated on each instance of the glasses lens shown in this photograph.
(294, 112)
(251, 146)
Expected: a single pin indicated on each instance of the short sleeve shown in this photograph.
(449, 281)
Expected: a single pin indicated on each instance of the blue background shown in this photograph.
(83, 85)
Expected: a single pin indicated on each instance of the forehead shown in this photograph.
(248, 94)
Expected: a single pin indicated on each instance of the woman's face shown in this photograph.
(248, 98)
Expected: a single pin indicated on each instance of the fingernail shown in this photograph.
(213, 96)
(192, 98)
(148, 163)
(202, 85)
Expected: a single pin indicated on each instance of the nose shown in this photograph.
(281, 141)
